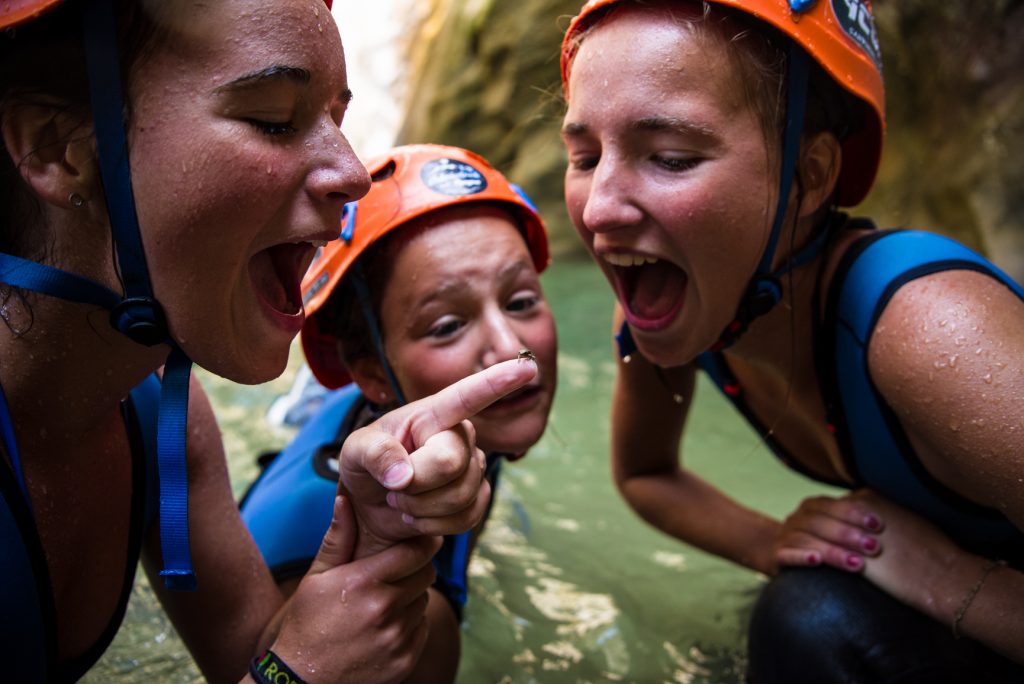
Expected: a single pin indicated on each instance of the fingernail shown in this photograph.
(391, 498)
(408, 519)
(397, 474)
(872, 523)
(854, 561)
(869, 543)
(813, 559)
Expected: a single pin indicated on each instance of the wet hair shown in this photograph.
(342, 315)
(43, 62)
(759, 69)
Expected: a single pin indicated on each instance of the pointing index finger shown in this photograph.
(466, 398)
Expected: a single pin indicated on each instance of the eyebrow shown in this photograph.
(670, 124)
(456, 285)
(271, 73)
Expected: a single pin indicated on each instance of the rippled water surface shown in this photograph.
(567, 584)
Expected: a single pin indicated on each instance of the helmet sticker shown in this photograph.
(858, 23)
(315, 287)
(451, 177)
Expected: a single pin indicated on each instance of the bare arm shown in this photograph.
(948, 356)
(647, 429)
(235, 586)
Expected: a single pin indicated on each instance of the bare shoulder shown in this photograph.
(947, 354)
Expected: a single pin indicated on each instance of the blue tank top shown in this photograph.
(875, 449)
(289, 507)
(28, 630)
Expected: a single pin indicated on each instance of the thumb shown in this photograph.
(339, 541)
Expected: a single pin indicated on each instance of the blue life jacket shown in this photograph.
(875, 449)
(289, 507)
(28, 630)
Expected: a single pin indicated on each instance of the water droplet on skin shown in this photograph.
(952, 361)
(954, 426)
(960, 341)
(988, 378)
(942, 323)
(270, 170)
(939, 364)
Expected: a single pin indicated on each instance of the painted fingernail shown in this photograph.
(854, 561)
(397, 474)
(813, 559)
(872, 523)
(869, 544)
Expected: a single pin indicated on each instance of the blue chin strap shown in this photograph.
(765, 289)
(348, 223)
(137, 314)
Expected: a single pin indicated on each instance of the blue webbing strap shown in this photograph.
(796, 104)
(107, 98)
(11, 445)
(171, 435)
(47, 280)
(363, 295)
(102, 61)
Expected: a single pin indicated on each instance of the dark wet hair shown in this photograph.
(43, 62)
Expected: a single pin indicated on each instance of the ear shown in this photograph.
(821, 158)
(53, 150)
(369, 374)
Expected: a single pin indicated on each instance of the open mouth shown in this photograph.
(277, 272)
(521, 397)
(652, 291)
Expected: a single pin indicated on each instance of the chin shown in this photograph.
(665, 350)
(513, 439)
(248, 370)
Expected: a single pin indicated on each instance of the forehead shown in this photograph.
(457, 246)
(654, 52)
(224, 37)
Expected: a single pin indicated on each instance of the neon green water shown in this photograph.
(567, 584)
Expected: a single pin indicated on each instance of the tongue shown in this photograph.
(272, 275)
(655, 289)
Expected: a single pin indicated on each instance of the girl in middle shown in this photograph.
(434, 278)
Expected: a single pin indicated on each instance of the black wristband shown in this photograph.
(269, 669)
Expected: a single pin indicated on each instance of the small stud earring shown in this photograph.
(383, 396)
(76, 200)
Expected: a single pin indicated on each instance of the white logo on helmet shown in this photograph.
(858, 23)
(451, 177)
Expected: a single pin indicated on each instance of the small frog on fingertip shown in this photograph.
(527, 355)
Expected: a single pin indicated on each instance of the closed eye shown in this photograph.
(676, 163)
(272, 128)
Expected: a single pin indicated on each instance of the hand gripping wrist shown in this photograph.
(270, 669)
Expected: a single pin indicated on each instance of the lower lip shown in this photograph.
(289, 323)
(518, 403)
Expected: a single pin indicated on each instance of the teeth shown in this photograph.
(628, 259)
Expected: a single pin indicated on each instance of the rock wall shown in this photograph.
(484, 74)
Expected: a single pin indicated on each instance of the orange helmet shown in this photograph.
(14, 12)
(840, 36)
(408, 182)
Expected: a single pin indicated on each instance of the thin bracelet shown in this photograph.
(270, 669)
(969, 596)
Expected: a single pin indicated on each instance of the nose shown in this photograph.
(338, 177)
(502, 342)
(609, 201)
